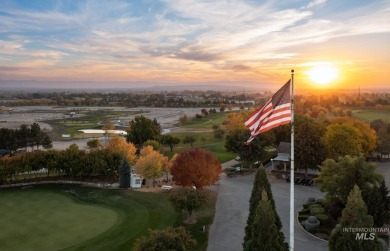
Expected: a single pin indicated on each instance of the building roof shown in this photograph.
(284, 147)
(282, 157)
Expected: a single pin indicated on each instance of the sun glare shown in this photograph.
(323, 74)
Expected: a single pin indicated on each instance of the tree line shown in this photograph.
(23, 137)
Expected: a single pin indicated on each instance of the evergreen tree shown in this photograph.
(354, 216)
(264, 234)
(378, 203)
(124, 174)
(261, 184)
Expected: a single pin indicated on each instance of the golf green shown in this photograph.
(44, 220)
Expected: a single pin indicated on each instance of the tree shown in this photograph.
(341, 140)
(255, 151)
(170, 140)
(219, 133)
(235, 121)
(150, 164)
(368, 140)
(383, 130)
(187, 199)
(183, 119)
(164, 240)
(378, 203)
(309, 149)
(46, 142)
(124, 174)
(93, 143)
(153, 143)
(347, 136)
(141, 129)
(189, 140)
(338, 178)
(24, 136)
(354, 216)
(8, 139)
(108, 126)
(265, 236)
(119, 146)
(196, 168)
(261, 185)
(37, 135)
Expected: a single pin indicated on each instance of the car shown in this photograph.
(166, 187)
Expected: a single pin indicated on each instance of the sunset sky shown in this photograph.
(60, 44)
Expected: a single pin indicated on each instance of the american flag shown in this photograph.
(276, 112)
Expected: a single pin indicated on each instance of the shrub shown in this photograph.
(317, 210)
(323, 218)
(304, 211)
(314, 205)
(303, 217)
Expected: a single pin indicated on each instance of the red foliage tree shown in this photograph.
(196, 168)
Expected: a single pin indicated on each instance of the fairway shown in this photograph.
(43, 220)
(371, 115)
(54, 217)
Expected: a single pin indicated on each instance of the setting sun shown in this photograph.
(323, 74)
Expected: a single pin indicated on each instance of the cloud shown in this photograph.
(314, 3)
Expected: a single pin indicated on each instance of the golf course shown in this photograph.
(72, 217)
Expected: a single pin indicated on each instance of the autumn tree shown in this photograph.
(354, 215)
(189, 140)
(347, 136)
(188, 199)
(196, 168)
(341, 140)
(170, 140)
(119, 146)
(177, 239)
(150, 164)
(235, 122)
(337, 178)
(141, 129)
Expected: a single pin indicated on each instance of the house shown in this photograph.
(282, 161)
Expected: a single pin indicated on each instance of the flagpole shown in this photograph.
(292, 167)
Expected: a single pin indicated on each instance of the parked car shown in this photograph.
(166, 187)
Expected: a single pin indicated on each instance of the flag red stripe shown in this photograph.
(269, 123)
(268, 117)
(256, 116)
(285, 109)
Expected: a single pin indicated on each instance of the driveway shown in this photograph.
(228, 229)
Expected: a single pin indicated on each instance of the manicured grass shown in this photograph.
(371, 115)
(79, 218)
(206, 121)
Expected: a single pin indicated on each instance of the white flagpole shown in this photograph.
(292, 166)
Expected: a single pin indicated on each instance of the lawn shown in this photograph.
(371, 115)
(73, 218)
(206, 121)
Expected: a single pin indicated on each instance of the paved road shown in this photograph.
(227, 231)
